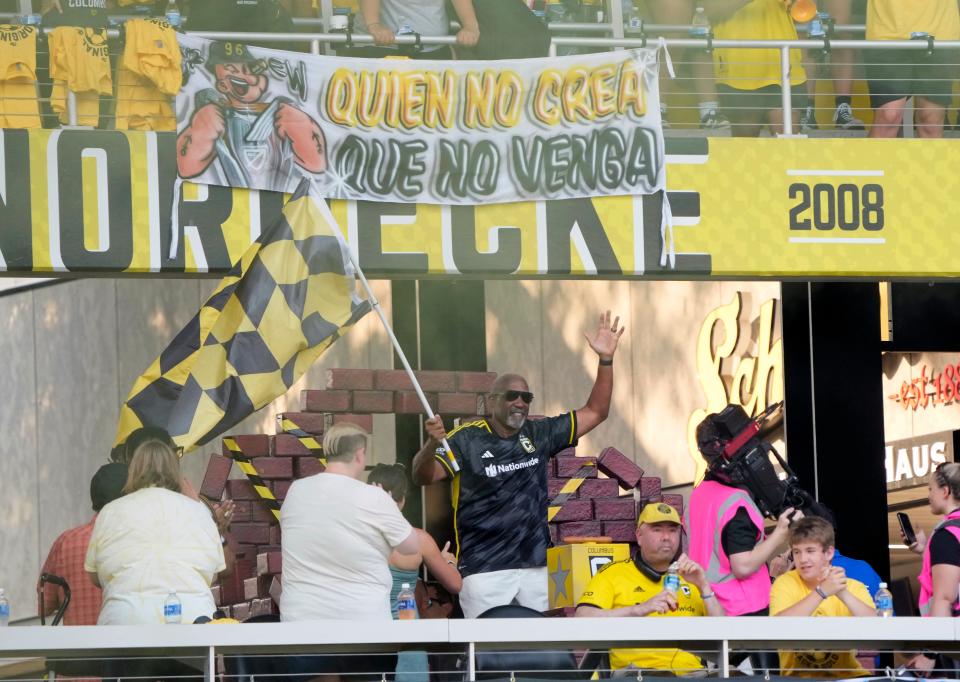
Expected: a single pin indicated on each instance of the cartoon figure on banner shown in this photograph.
(243, 133)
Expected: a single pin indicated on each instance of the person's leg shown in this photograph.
(533, 588)
(482, 591)
(841, 69)
(887, 118)
(933, 90)
(928, 117)
(888, 75)
(739, 107)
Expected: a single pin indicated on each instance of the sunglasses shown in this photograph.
(510, 396)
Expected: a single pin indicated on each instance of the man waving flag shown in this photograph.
(290, 296)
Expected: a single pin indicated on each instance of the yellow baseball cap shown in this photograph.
(658, 512)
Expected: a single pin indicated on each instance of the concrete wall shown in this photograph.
(72, 352)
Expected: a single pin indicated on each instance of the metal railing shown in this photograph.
(720, 638)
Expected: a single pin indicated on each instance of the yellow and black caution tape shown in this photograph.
(246, 466)
(309, 441)
(568, 489)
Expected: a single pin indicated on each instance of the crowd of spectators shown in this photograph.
(736, 90)
(347, 548)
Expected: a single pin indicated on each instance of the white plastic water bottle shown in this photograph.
(173, 14)
(172, 609)
(818, 25)
(403, 27)
(671, 581)
(4, 609)
(406, 603)
(884, 601)
(700, 25)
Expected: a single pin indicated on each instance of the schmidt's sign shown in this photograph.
(910, 461)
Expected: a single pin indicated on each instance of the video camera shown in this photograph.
(731, 443)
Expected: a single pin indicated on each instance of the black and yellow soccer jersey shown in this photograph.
(623, 584)
(500, 493)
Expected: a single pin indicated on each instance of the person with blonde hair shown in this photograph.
(153, 541)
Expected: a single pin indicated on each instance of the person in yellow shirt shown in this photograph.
(896, 75)
(635, 587)
(748, 80)
(816, 588)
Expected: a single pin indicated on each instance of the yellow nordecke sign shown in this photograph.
(80, 201)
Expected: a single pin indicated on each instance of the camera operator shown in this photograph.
(726, 529)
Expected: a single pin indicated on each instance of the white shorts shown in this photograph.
(524, 586)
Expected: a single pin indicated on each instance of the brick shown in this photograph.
(269, 563)
(215, 478)
(350, 379)
(257, 587)
(231, 588)
(575, 510)
(429, 380)
(675, 501)
(578, 529)
(460, 403)
(245, 551)
(310, 422)
(274, 535)
(554, 485)
(364, 421)
(241, 489)
(553, 533)
(326, 401)
(552, 467)
(475, 382)
(241, 611)
(614, 509)
(599, 487)
(263, 607)
(285, 445)
(252, 511)
(308, 466)
(616, 465)
(273, 468)
(280, 489)
(620, 531)
(244, 568)
(376, 402)
(567, 452)
(567, 467)
(650, 489)
(408, 402)
(251, 533)
(215, 591)
(255, 445)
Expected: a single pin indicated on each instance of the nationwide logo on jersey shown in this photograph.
(527, 445)
(486, 455)
(492, 470)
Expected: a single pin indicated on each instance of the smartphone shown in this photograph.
(906, 528)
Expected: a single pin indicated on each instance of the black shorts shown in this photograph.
(896, 74)
(752, 105)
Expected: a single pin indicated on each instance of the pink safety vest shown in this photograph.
(926, 572)
(712, 505)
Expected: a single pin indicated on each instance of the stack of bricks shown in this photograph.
(351, 395)
(599, 508)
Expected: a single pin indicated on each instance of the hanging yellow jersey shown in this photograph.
(751, 69)
(79, 62)
(19, 104)
(897, 19)
(148, 76)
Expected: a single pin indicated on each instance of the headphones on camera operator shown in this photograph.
(736, 455)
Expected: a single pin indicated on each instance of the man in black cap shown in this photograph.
(69, 550)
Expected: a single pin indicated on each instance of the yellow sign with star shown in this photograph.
(570, 567)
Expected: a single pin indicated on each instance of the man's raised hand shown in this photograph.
(605, 339)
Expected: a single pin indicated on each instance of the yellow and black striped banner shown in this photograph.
(308, 440)
(250, 471)
(568, 489)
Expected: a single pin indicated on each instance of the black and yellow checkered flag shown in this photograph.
(290, 296)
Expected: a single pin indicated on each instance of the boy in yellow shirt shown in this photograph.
(816, 588)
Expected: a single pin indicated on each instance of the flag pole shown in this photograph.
(375, 303)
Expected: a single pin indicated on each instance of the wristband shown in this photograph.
(823, 595)
(606, 363)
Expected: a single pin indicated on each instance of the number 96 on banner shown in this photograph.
(845, 206)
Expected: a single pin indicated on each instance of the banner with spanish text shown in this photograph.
(80, 202)
(441, 132)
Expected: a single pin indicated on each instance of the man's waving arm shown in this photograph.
(604, 343)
